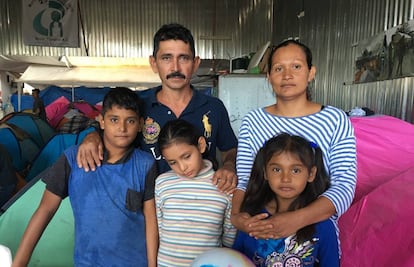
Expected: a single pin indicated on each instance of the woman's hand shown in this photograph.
(279, 225)
(244, 222)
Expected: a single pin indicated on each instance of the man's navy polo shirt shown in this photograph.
(205, 112)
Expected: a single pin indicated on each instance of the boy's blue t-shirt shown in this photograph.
(107, 206)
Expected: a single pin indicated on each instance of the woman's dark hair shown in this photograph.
(259, 193)
(181, 131)
(124, 98)
(305, 49)
(173, 31)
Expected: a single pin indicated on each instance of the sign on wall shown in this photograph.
(51, 23)
(388, 55)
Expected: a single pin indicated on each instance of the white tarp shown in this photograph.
(131, 76)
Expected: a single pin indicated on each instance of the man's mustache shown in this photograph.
(176, 74)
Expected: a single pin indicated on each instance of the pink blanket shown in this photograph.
(378, 229)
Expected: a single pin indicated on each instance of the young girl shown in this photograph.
(288, 174)
(193, 215)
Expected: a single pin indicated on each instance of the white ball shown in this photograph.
(222, 257)
(5, 256)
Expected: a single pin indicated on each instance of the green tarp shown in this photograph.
(55, 248)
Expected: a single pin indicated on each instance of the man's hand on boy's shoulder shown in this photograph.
(90, 152)
(225, 179)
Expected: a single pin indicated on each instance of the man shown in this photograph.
(38, 106)
(175, 62)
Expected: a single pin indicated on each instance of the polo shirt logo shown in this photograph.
(151, 130)
(207, 126)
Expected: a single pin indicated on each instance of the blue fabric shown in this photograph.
(287, 251)
(38, 129)
(53, 149)
(20, 146)
(203, 111)
(51, 93)
(26, 102)
(107, 207)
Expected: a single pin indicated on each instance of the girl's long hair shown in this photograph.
(259, 194)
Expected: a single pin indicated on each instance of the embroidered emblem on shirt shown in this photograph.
(285, 253)
(150, 131)
(207, 126)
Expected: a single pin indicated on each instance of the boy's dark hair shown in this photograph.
(173, 31)
(181, 131)
(259, 193)
(124, 98)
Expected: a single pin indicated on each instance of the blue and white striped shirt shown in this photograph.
(329, 128)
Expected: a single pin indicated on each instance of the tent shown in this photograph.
(22, 148)
(39, 130)
(53, 149)
(55, 248)
(51, 93)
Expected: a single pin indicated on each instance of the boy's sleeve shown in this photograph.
(56, 177)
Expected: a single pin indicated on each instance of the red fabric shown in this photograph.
(377, 230)
(86, 109)
(56, 110)
(385, 148)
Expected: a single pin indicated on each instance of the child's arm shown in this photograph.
(151, 231)
(38, 223)
(229, 231)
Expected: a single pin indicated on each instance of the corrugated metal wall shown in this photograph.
(332, 29)
(231, 28)
(125, 28)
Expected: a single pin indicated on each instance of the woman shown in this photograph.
(290, 71)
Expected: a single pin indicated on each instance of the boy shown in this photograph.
(114, 206)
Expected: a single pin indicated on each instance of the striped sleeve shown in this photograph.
(229, 231)
(342, 166)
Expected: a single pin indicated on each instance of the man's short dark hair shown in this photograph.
(173, 31)
(36, 91)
